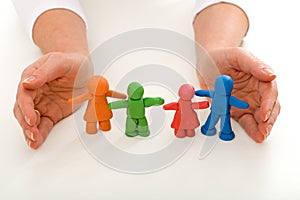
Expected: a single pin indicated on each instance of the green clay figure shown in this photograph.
(136, 122)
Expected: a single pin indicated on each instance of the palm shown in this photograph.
(47, 85)
(247, 88)
(51, 100)
(261, 95)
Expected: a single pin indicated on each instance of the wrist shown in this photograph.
(220, 25)
(60, 30)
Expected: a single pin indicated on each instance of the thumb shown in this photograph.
(248, 63)
(46, 69)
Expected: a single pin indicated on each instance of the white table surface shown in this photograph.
(241, 169)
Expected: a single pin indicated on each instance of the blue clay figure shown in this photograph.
(220, 107)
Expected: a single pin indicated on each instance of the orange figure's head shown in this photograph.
(186, 92)
(98, 85)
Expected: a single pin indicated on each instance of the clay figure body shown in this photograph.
(185, 119)
(97, 110)
(220, 107)
(136, 121)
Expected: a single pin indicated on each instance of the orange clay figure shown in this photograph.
(185, 119)
(97, 109)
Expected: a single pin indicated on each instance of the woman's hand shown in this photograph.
(43, 91)
(254, 82)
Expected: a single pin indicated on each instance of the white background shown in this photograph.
(241, 169)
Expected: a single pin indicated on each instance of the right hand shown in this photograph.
(45, 86)
(254, 83)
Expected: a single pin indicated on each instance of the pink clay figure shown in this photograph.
(185, 119)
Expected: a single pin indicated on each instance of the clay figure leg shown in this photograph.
(91, 127)
(104, 125)
(180, 133)
(209, 127)
(131, 125)
(143, 129)
(190, 132)
(226, 132)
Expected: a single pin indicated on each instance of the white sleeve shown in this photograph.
(30, 10)
(202, 4)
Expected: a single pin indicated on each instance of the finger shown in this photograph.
(26, 128)
(48, 68)
(269, 94)
(38, 117)
(41, 132)
(250, 125)
(55, 111)
(266, 127)
(31, 68)
(242, 60)
(55, 65)
(25, 103)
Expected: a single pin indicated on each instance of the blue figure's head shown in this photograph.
(223, 85)
(135, 91)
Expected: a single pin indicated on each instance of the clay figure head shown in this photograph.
(223, 85)
(186, 92)
(135, 91)
(98, 85)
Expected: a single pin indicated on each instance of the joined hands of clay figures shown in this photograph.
(185, 119)
(97, 108)
(220, 107)
(136, 121)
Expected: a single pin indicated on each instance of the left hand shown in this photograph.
(254, 83)
(43, 91)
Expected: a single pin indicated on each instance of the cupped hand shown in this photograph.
(254, 82)
(43, 91)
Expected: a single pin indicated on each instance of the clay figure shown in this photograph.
(220, 107)
(136, 121)
(185, 120)
(97, 110)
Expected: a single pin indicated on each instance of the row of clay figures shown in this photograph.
(185, 119)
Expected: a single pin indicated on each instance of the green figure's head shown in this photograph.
(135, 91)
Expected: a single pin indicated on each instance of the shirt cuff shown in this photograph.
(30, 10)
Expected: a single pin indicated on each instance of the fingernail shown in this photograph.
(27, 120)
(29, 134)
(29, 79)
(269, 128)
(32, 136)
(270, 72)
(267, 115)
(260, 138)
(28, 142)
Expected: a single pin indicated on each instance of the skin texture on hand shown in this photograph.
(45, 86)
(254, 83)
(220, 29)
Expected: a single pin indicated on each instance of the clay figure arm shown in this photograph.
(115, 94)
(156, 101)
(205, 93)
(80, 98)
(171, 106)
(200, 105)
(118, 104)
(233, 101)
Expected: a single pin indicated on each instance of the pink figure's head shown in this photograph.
(186, 92)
